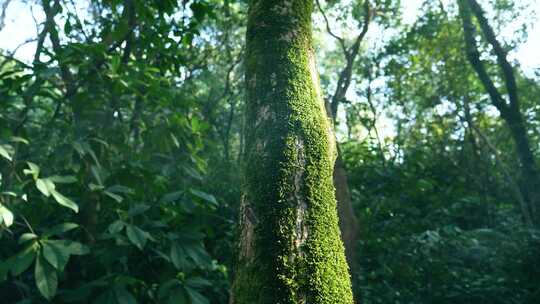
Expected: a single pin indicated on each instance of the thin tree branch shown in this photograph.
(474, 58)
(350, 54)
(3, 14)
(500, 53)
(329, 30)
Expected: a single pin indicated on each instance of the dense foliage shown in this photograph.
(121, 153)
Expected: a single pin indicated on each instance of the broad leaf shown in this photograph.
(198, 282)
(71, 247)
(171, 197)
(138, 209)
(116, 227)
(136, 236)
(123, 296)
(4, 269)
(178, 256)
(6, 217)
(45, 186)
(21, 261)
(33, 170)
(18, 139)
(57, 256)
(6, 151)
(61, 228)
(67, 179)
(64, 201)
(196, 297)
(115, 197)
(46, 278)
(205, 196)
(25, 237)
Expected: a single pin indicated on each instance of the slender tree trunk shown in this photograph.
(509, 109)
(289, 249)
(348, 223)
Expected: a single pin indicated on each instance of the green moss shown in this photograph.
(297, 254)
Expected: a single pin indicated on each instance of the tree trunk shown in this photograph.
(290, 249)
(348, 223)
(510, 110)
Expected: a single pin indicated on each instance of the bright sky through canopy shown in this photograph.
(528, 54)
(20, 27)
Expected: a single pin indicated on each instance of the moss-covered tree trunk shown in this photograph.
(289, 249)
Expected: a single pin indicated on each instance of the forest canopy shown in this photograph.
(269, 151)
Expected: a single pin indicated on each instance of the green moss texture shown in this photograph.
(289, 249)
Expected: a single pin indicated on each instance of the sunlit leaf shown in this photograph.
(33, 170)
(6, 216)
(6, 151)
(64, 201)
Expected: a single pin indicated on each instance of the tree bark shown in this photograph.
(509, 110)
(290, 249)
(348, 223)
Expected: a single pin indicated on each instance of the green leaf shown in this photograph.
(21, 261)
(120, 189)
(199, 256)
(73, 248)
(67, 27)
(27, 237)
(34, 170)
(49, 255)
(64, 201)
(9, 193)
(136, 236)
(19, 140)
(66, 179)
(45, 186)
(115, 197)
(4, 269)
(123, 296)
(199, 11)
(94, 187)
(46, 278)
(138, 209)
(196, 297)
(108, 297)
(166, 287)
(79, 148)
(198, 282)
(6, 216)
(171, 197)
(78, 249)
(6, 151)
(178, 256)
(61, 228)
(96, 172)
(57, 256)
(178, 296)
(116, 227)
(205, 196)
